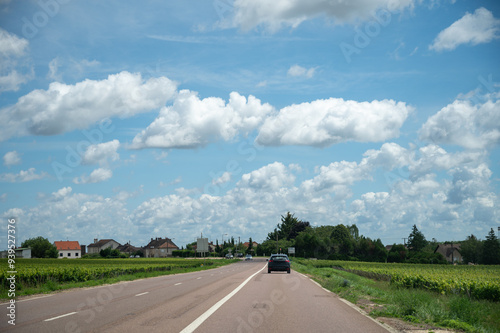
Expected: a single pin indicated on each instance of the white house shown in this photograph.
(68, 249)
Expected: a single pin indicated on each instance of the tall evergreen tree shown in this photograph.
(491, 250)
(416, 240)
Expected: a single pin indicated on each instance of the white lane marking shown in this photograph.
(147, 292)
(198, 278)
(198, 321)
(61, 316)
(177, 284)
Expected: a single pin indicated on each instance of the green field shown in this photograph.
(41, 275)
(463, 298)
(477, 282)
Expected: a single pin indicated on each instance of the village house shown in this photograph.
(128, 249)
(68, 249)
(450, 252)
(159, 248)
(102, 244)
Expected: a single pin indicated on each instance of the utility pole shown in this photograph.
(404, 241)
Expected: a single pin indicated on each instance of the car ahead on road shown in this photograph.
(248, 257)
(229, 256)
(278, 262)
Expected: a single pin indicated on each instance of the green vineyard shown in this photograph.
(34, 272)
(478, 282)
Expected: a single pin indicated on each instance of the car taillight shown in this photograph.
(288, 261)
(270, 261)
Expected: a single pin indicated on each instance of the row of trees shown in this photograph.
(485, 252)
(342, 242)
(338, 242)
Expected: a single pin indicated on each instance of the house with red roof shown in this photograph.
(68, 249)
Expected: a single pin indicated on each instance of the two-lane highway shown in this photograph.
(241, 297)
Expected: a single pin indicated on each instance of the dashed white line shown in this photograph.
(147, 292)
(61, 316)
(198, 278)
(177, 284)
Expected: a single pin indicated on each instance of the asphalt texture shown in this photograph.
(240, 297)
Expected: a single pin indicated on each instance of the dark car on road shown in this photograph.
(278, 262)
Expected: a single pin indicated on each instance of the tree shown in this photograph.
(471, 250)
(250, 245)
(397, 253)
(288, 229)
(41, 247)
(491, 250)
(416, 240)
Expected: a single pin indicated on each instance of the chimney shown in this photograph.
(95, 240)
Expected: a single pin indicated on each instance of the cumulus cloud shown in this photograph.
(224, 178)
(270, 177)
(299, 71)
(274, 15)
(12, 45)
(194, 122)
(101, 153)
(253, 206)
(326, 122)
(473, 126)
(22, 176)
(75, 216)
(11, 158)
(63, 108)
(12, 49)
(477, 28)
(96, 176)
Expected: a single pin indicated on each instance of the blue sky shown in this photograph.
(131, 120)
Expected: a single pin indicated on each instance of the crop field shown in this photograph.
(477, 282)
(34, 272)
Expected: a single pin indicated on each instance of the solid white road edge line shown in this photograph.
(61, 316)
(355, 307)
(198, 321)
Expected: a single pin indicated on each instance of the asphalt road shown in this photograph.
(241, 297)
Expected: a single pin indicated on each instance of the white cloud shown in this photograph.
(63, 108)
(22, 176)
(270, 177)
(276, 14)
(224, 178)
(299, 71)
(477, 28)
(12, 45)
(96, 176)
(12, 50)
(465, 124)
(101, 153)
(326, 122)
(53, 68)
(11, 158)
(194, 122)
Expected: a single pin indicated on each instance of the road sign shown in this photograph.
(202, 245)
(291, 250)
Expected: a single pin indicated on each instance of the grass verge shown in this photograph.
(52, 285)
(380, 299)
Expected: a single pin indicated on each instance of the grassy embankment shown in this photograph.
(39, 276)
(382, 299)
